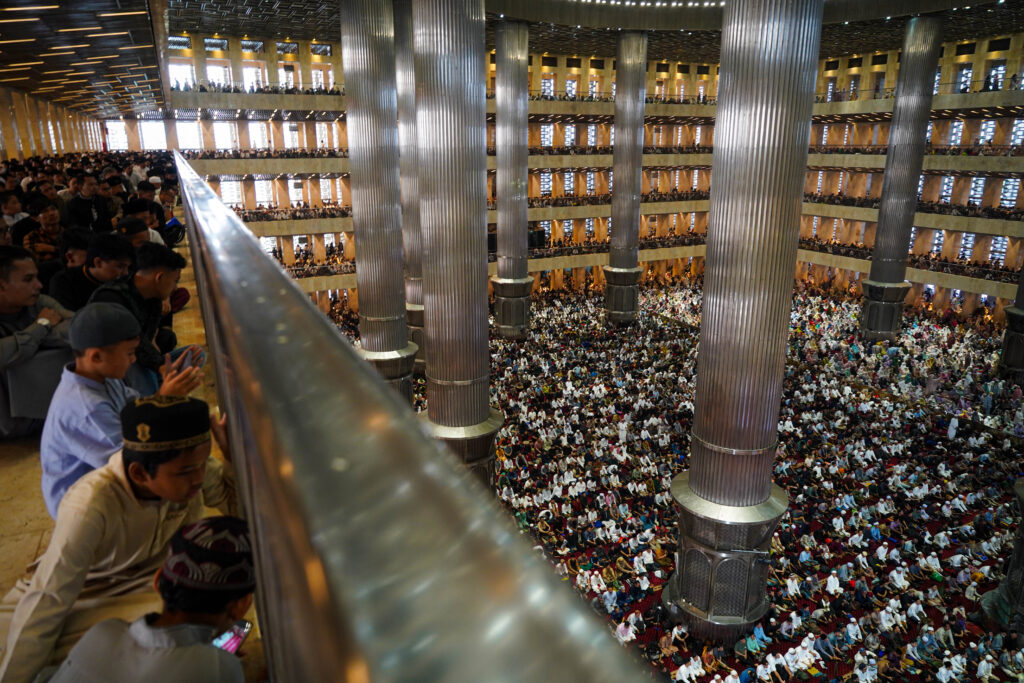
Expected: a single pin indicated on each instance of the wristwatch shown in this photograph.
(44, 322)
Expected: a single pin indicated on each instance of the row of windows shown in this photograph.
(183, 75)
(221, 45)
(153, 135)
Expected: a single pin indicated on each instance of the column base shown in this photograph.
(512, 307)
(472, 445)
(414, 318)
(1011, 359)
(719, 588)
(394, 366)
(621, 295)
(881, 316)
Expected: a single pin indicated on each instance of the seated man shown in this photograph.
(206, 585)
(112, 531)
(83, 426)
(74, 243)
(44, 241)
(108, 258)
(30, 323)
(157, 270)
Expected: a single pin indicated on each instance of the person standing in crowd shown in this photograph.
(30, 322)
(112, 531)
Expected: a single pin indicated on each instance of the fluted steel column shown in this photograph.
(368, 53)
(513, 284)
(885, 289)
(408, 165)
(623, 272)
(450, 122)
(728, 505)
(1011, 360)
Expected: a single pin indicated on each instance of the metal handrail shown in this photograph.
(378, 557)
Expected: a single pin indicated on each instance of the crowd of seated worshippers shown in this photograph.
(900, 515)
(94, 372)
(299, 211)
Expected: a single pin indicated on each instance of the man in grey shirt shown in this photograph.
(33, 344)
(206, 585)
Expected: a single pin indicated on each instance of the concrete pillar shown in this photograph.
(405, 71)
(131, 127)
(513, 284)
(886, 289)
(450, 121)
(623, 271)
(206, 130)
(368, 43)
(728, 505)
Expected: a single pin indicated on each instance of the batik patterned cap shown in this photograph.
(214, 554)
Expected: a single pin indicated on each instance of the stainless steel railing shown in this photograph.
(378, 557)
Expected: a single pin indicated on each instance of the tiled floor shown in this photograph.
(25, 527)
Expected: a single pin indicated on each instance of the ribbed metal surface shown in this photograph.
(408, 164)
(905, 157)
(512, 137)
(368, 52)
(769, 55)
(450, 121)
(627, 159)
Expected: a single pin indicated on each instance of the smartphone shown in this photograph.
(232, 639)
(187, 363)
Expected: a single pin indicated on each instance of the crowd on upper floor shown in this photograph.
(969, 210)
(300, 211)
(91, 369)
(290, 153)
(255, 88)
(990, 269)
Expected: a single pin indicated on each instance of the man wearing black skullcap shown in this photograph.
(134, 230)
(112, 531)
(206, 584)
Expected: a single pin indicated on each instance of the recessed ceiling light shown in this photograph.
(25, 64)
(83, 28)
(119, 14)
(57, 54)
(101, 35)
(68, 47)
(135, 47)
(18, 21)
(17, 40)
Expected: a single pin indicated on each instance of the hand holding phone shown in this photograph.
(232, 639)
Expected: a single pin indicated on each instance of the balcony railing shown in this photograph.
(378, 557)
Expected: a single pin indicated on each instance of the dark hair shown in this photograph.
(178, 598)
(73, 238)
(108, 247)
(149, 461)
(10, 254)
(7, 196)
(151, 255)
(145, 186)
(39, 205)
(134, 206)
